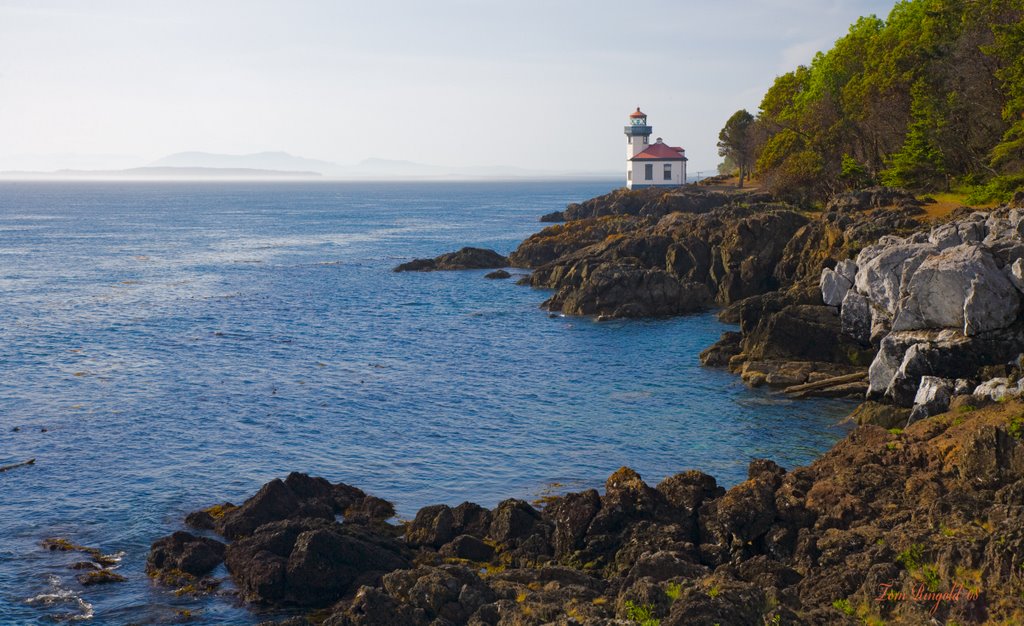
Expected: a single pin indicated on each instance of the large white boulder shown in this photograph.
(1015, 273)
(996, 388)
(834, 287)
(855, 317)
(847, 268)
(960, 287)
(933, 396)
(884, 271)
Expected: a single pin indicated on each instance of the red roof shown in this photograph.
(638, 113)
(660, 152)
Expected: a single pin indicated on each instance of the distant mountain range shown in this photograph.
(278, 165)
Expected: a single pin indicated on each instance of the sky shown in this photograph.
(544, 85)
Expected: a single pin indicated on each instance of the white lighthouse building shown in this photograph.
(651, 164)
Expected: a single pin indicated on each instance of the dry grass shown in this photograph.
(946, 203)
(750, 184)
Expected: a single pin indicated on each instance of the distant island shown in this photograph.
(282, 165)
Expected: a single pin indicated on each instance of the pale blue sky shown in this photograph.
(537, 84)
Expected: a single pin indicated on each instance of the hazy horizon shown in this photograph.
(536, 86)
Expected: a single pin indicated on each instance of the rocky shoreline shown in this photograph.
(915, 517)
(890, 526)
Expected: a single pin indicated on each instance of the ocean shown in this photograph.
(168, 346)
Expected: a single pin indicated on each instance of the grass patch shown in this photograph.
(910, 558)
(1016, 427)
(844, 606)
(642, 614)
(673, 591)
(930, 578)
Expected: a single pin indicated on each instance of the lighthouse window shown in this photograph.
(668, 171)
(649, 171)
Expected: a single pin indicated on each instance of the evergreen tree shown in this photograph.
(919, 164)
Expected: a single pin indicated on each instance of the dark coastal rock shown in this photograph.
(938, 503)
(273, 502)
(719, 354)
(627, 290)
(689, 490)
(554, 216)
(434, 526)
(879, 414)
(447, 594)
(497, 274)
(298, 496)
(206, 519)
(471, 519)
(571, 516)
(513, 520)
(309, 562)
(184, 552)
(873, 198)
(651, 202)
(554, 242)
(464, 259)
(100, 577)
(467, 547)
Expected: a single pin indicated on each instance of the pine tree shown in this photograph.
(919, 164)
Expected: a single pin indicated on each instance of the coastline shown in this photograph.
(827, 543)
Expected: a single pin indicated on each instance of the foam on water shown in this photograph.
(60, 597)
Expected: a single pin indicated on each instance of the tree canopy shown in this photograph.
(931, 97)
(736, 142)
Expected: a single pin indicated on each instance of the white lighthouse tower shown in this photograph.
(638, 134)
(651, 164)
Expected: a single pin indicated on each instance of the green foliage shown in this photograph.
(920, 163)
(844, 606)
(736, 141)
(853, 174)
(1016, 427)
(713, 592)
(910, 558)
(673, 591)
(997, 189)
(930, 575)
(896, 431)
(933, 94)
(642, 614)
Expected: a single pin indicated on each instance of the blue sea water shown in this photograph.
(167, 346)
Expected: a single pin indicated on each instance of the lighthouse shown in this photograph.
(651, 164)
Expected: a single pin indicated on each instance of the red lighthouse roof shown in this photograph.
(661, 152)
(637, 114)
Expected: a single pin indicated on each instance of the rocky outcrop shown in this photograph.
(184, 552)
(310, 562)
(679, 264)
(629, 290)
(930, 509)
(940, 304)
(557, 241)
(464, 259)
(655, 202)
(874, 198)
